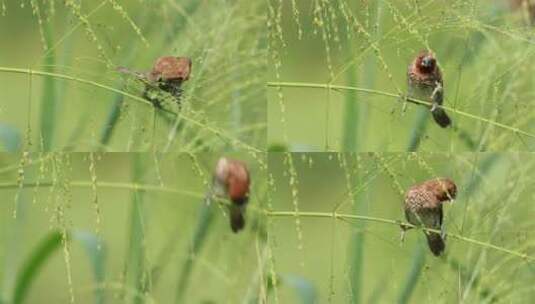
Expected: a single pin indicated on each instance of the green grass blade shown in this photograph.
(32, 266)
(354, 110)
(466, 138)
(357, 258)
(48, 101)
(418, 131)
(10, 139)
(486, 294)
(111, 121)
(351, 110)
(135, 258)
(96, 254)
(205, 219)
(357, 248)
(486, 164)
(418, 262)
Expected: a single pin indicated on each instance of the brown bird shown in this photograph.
(423, 207)
(232, 181)
(425, 83)
(168, 74)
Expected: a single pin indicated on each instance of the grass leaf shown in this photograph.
(418, 131)
(205, 219)
(96, 254)
(351, 111)
(32, 266)
(136, 253)
(418, 262)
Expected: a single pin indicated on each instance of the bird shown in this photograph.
(168, 74)
(425, 83)
(232, 181)
(423, 207)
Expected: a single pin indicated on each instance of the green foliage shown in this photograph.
(31, 268)
(98, 109)
(363, 260)
(411, 281)
(204, 223)
(354, 55)
(96, 252)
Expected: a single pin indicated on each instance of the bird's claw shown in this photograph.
(436, 90)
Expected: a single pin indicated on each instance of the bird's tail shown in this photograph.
(435, 242)
(237, 220)
(441, 117)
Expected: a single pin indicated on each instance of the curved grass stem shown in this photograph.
(396, 96)
(216, 132)
(397, 223)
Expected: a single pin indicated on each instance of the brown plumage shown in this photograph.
(425, 83)
(170, 68)
(232, 181)
(168, 74)
(423, 207)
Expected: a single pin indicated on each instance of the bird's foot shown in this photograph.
(404, 229)
(437, 91)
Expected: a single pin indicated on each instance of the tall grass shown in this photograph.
(118, 260)
(222, 39)
(389, 271)
(405, 28)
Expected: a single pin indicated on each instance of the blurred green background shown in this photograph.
(135, 228)
(484, 49)
(160, 242)
(150, 206)
(360, 261)
(223, 106)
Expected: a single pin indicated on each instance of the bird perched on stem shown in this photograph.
(425, 83)
(231, 180)
(423, 207)
(167, 75)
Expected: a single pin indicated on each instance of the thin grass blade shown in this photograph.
(32, 266)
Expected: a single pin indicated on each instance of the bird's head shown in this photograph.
(445, 189)
(426, 62)
(233, 177)
(170, 68)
